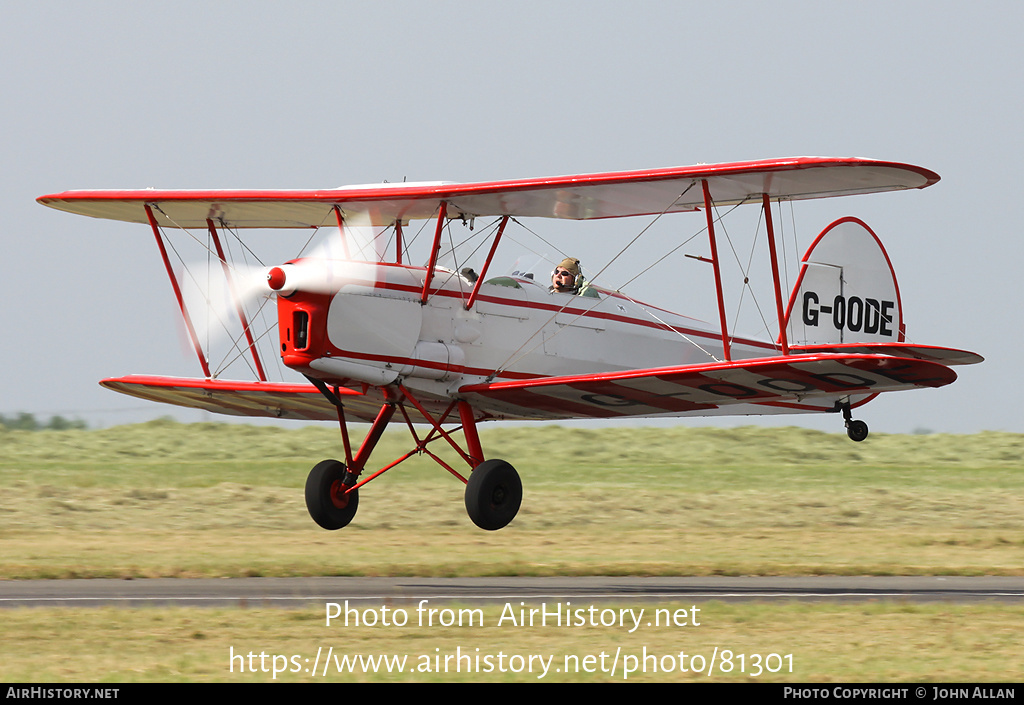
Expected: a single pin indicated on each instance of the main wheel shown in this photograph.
(856, 430)
(328, 503)
(493, 494)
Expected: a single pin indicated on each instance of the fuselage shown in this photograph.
(358, 323)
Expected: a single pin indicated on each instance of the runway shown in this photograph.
(300, 592)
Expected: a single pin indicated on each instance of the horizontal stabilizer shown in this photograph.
(945, 356)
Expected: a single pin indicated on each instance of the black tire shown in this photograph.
(493, 494)
(326, 501)
(857, 430)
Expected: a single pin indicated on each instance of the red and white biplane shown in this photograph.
(375, 335)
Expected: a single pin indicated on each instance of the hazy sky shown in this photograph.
(286, 95)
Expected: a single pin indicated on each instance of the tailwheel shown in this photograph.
(493, 494)
(856, 430)
(328, 503)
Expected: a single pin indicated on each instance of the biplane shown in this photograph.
(378, 338)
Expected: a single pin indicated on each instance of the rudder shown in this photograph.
(846, 291)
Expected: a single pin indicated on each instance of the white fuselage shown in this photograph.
(377, 331)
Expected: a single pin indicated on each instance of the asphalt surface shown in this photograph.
(299, 592)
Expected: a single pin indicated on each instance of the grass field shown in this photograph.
(165, 499)
(795, 642)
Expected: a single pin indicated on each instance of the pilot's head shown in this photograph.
(563, 279)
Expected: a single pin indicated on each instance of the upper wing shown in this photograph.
(581, 197)
(797, 383)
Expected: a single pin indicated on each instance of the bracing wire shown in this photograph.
(516, 356)
(203, 291)
(236, 348)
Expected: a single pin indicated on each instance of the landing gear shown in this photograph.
(493, 488)
(326, 499)
(856, 430)
(493, 494)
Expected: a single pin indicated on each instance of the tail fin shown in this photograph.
(846, 291)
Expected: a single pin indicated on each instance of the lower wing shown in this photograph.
(799, 383)
(274, 400)
(794, 384)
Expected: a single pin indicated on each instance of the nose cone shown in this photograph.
(276, 278)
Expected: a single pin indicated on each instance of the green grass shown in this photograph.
(866, 642)
(164, 499)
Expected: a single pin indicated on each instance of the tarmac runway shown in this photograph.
(299, 592)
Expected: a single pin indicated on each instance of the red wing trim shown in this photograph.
(805, 380)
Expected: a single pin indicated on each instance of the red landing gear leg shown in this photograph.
(331, 495)
(494, 492)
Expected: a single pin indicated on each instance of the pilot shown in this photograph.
(563, 279)
(567, 279)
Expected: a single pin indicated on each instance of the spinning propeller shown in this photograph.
(223, 302)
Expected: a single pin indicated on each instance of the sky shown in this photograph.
(258, 94)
